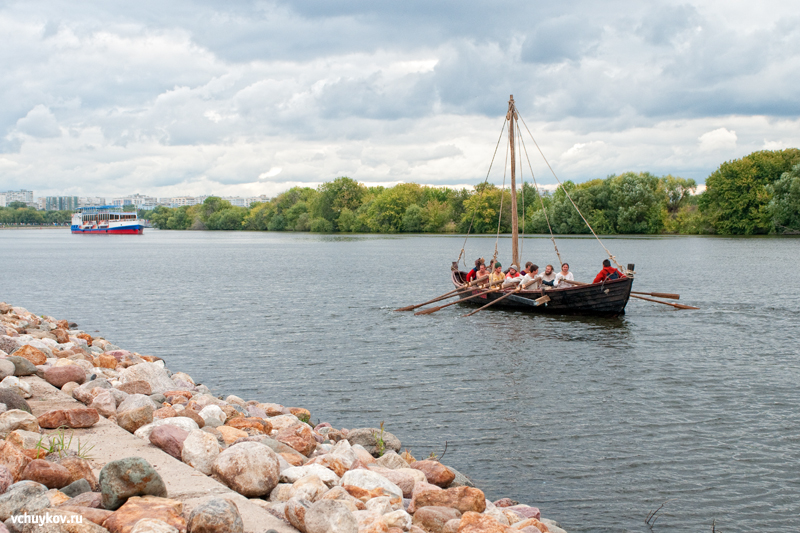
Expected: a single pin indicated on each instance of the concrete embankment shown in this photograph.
(112, 439)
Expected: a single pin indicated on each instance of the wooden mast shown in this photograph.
(512, 116)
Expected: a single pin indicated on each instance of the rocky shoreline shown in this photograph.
(318, 479)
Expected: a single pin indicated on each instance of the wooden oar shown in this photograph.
(439, 308)
(660, 295)
(444, 296)
(519, 288)
(678, 306)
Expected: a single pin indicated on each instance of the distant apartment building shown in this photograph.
(181, 201)
(60, 203)
(91, 201)
(6, 197)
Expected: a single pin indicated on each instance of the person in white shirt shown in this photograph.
(549, 277)
(532, 280)
(561, 276)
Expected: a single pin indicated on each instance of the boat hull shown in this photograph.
(127, 230)
(597, 299)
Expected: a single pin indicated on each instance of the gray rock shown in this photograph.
(83, 393)
(461, 480)
(13, 400)
(330, 516)
(17, 496)
(77, 487)
(132, 476)
(158, 398)
(368, 438)
(216, 516)
(22, 367)
(7, 368)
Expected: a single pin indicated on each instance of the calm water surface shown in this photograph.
(596, 421)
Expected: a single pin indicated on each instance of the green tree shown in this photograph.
(320, 225)
(737, 196)
(334, 196)
(784, 208)
(227, 219)
(386, 212)
(412, 219)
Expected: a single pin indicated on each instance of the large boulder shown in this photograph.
(462, 498)
(299, 437)
(432, 519)
(374, 440)
(84, 392)
(124, 478)
(436, 473)
(58, 376)
(169, 438)
(7, 368)
(138, 508)
(212, 415)
(368, 480)
(249, 468)
(134, 412)
(480, 523)
(13, 383)
(51, 475)
(79, 469)
(79, 417)
(152, 373)
(22, 367)
(17, 496)
(327, 476)
(330, 516)
(13, 458)
(34, 355)
(13, 400)
(200, 450)
(217, 515)
(17, 419)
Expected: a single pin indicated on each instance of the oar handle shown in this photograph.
(677, 306)
(669, 295)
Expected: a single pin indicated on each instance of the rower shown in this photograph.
(608, 273)
(497, 276)
(565, 274)
(474, 272)
(549, 277)
(532, 280)
(513, 277)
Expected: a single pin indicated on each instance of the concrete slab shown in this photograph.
(111, 442)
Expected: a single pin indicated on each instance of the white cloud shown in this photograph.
(718, 139)
(39, 122)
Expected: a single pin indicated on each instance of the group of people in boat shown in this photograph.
(530, 278)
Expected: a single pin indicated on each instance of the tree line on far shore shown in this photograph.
(19, 214)
(757, 194)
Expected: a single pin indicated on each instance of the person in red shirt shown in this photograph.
(608, 272)
(474, 272)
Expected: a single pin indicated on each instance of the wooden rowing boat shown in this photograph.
(596, 299)
(607, 298)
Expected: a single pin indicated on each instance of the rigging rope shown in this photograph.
(485, 181)
(541, 202)
(522, 178)
(610, 255)
(502, 194)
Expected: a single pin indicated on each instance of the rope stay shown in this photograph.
(522, 188)
(610, 255)
(485, 181)
(541, 202)
(500, 214)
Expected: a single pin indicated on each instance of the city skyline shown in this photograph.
(254, 98)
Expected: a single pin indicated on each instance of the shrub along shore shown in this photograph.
(317, 478)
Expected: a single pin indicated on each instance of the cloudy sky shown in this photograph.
(239, 98)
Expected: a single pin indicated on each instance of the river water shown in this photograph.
(595, 421)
